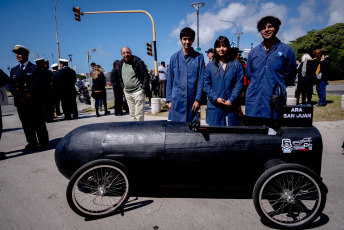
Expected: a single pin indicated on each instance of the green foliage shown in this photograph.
(81, 77)
(330, 40)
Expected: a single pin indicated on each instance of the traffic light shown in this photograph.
(77, 13)
(149, 49)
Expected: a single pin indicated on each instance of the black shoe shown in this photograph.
(98, 115)
(43, 146)
(31, 146)
(107, 113)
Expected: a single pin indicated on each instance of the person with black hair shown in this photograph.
(162, 80)
(270, 63)
(223, 84)
(117, 89)
(185, 80)
(66, 80)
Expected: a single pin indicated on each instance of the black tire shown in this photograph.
(98, 188)
(289, 196)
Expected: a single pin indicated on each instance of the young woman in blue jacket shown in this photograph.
(223, 84)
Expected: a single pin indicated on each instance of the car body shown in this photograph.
(166, 154)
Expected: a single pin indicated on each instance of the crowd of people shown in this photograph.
(37, 93)
(312, 72)
(227, 81)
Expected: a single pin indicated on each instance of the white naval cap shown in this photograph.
(54, 65)
(63, 60)
(20, 48)
(39, 59)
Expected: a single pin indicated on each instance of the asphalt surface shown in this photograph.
(32, 191)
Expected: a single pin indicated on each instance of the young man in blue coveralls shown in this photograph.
(270, 63)
(185, 80)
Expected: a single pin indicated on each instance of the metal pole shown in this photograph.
(88, 64)
(197, 11)
(237, 33)
(197, 5)
(57, 37)
(135, 11)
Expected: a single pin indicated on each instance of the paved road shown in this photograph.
(32, 191)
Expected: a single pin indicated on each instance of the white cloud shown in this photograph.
(336, 11)
(247, 13)
(307, 15)
(100, 51)
(210, 23)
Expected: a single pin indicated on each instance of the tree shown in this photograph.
(330, 40)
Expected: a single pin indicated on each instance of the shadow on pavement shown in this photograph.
(9, 130)
(322, 220)
(22, 152)
(129, 206)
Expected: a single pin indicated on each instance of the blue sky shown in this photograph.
(32, 23)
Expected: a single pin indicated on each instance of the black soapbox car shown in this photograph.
(107, 162)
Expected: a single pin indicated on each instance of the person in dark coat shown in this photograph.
(134, 80)
(117, 89)
(322, 72)
(306, 76)
(46, 77)
(66, 87)
(98, 89)
(56, 96)
(26, 88)
(4, 79)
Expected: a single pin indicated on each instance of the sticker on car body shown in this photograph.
(301, 145)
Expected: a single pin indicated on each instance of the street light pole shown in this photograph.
(88, 63)
(237, 33)
(197, 5)
(70, 59)
(57, 37)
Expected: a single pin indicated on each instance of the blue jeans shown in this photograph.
(321, 89)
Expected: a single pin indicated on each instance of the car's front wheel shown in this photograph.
(289, 196)
(98, 188)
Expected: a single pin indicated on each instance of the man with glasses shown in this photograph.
(270, 63)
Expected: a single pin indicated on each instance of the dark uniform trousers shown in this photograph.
(66, 87)
(32, 119)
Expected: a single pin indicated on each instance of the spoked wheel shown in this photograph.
(289, 196)
(98, 188)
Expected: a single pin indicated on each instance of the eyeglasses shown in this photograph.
(268, 27)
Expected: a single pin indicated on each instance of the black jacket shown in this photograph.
(140, 72)
(325, 68)
(66, 82)
(116, 84)
(26, 85)
(310, 73)
(99, 83)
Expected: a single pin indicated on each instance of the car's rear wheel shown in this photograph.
(98, 188)
(289, 196)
